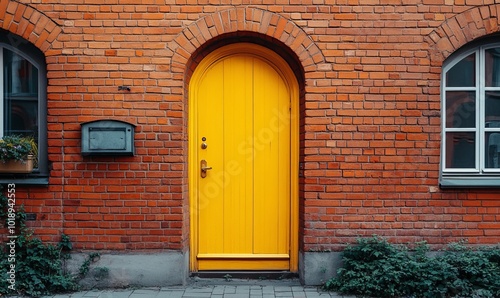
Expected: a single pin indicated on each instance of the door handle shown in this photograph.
(204, 168)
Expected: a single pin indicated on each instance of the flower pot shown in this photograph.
(16, 166)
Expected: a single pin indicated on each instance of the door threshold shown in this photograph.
(257, 275)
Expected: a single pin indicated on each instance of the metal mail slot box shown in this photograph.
(107, 137)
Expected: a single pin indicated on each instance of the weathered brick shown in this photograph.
(369, 111)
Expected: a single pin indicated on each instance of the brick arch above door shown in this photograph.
(247, 19)
(30, 24)
(462, 29)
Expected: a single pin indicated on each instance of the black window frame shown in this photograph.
(28, 51)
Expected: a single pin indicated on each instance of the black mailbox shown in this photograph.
(107, 137)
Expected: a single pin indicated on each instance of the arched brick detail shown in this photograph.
(461, 29)
(249, 19)
(29, 23)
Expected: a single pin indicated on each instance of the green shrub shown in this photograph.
(375, 268)
(39, 267)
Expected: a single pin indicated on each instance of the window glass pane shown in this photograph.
(22, 117)
(492, 67)
(463, 74)
(460, 150)
(492, 111)
(460, 109)
(20, 76)
(492, 150)
(20, 95)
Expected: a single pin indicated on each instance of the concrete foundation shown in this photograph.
(125, 270)
(317, 267)
(172, 268)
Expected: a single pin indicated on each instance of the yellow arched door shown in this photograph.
(243, 157)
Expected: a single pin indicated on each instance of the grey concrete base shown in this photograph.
(125, 270)
(317, 267)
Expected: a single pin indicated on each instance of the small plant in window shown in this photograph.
(17, 148)
(34, 150)
(18, 154)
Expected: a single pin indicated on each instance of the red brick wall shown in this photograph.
(370, 108)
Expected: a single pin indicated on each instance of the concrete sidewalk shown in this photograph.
(214, 288)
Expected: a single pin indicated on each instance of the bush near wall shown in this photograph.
(28, 266)
(375, 268)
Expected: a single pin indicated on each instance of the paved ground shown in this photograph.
(214, 289)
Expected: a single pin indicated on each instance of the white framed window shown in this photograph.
(23, 107)
(470, 91)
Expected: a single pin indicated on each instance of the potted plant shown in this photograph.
(18, 154)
